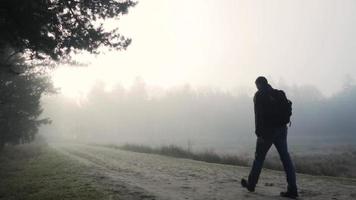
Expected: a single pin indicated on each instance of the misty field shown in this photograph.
(79, 171)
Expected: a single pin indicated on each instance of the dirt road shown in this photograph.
(146, 176)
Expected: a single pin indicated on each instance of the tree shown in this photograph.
(20, 106)
(55, 28)
(51, 30)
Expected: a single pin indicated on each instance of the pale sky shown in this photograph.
(227, 44)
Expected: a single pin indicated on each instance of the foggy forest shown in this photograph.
(168, 99)
(207, 118)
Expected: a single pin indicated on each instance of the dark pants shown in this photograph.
(262, 147)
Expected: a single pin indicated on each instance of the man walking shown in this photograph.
(272, 114)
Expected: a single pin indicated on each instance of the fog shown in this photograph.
(198, 61)
(227, 44)
(153, 99)
(196, 118)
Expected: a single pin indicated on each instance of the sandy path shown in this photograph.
(147, 176)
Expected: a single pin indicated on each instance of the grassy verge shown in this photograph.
(33, 172)
(337, 165)
(178, 152)
(333, 164)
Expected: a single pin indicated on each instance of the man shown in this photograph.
(272, 114)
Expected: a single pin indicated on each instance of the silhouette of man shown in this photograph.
(269, 133)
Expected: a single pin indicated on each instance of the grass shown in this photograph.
(178, 152)
(333, 164)
(33, 172)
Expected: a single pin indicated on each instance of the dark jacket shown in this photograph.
(263, 122)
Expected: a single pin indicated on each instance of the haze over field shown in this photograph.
(188, 77)
(200, 118)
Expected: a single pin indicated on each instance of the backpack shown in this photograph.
(280, 108)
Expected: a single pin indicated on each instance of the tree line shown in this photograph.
(201, 117)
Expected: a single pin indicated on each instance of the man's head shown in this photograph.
(261, 82)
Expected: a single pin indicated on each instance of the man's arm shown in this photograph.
(258, 115)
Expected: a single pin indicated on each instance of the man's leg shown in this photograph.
(281, 144)
(262, 147)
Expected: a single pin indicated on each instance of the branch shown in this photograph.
(75, 16)
(13, 54)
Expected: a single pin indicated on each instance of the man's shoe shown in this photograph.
(246, 185)
(289, 194)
